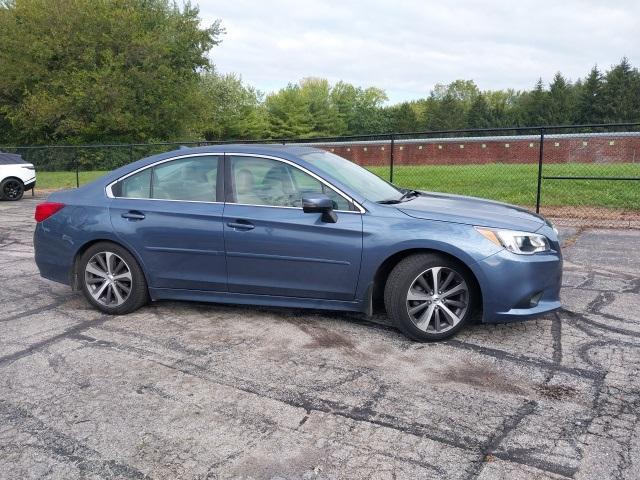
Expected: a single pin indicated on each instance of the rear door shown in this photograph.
(273, 247)
(171, 215)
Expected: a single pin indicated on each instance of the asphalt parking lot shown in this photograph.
(182, 390)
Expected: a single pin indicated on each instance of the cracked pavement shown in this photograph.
(192, 390)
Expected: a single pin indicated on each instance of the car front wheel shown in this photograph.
(11, 189)
(430, 297)
(112, 279)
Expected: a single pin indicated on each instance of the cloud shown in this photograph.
(406, 47)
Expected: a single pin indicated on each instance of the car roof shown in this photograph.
(290, 152)
(254, 148)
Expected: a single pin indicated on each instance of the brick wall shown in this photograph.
(594, 148)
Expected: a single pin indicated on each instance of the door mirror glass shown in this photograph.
(319, 203)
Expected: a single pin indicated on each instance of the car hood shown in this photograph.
(472, 211)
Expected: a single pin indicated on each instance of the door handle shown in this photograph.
(241, 225)
(133, 215)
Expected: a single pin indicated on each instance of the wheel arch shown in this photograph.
(384, 269)
(74, 280)
(12, 177)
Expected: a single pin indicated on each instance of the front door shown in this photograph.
(170, 215)
(273, 247)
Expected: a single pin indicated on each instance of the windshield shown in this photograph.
(367, 184)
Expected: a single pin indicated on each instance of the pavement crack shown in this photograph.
(34, 311)
(522, 359)
(583, 318)
(64, 447)
(36, 347)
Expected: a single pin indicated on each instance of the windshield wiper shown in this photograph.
(409, 194)
(405, 196)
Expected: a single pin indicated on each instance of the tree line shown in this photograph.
(98, 71)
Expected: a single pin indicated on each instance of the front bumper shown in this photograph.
(30, 185)
(520, 287)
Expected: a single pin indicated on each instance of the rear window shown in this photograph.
(10, 159)
(188, 179)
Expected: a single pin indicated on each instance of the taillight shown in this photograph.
(46, 209)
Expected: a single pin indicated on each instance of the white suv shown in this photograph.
(16, 176)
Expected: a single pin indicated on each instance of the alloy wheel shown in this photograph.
(108, 279)
(437, 300)
(12, 189)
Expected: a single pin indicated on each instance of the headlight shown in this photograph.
(523, 243)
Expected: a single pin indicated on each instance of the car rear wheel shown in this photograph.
(11, 189)
(111, 279)
(430, 297)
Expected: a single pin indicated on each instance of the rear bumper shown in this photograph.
(520, 287)
(53, 256)
(30, 185)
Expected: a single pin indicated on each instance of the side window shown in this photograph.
(186, 179)
(135, 186)
(307, 184)
(192, 178)
(260, 181)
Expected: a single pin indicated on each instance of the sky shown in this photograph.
(406, 47)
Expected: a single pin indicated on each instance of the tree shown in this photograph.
(401, 118)
(288, 114)
(503, 107)
(86, 71)
(344, 97)
(479, 115)
(358, 110)
(534, 106)
(589, 101)
(621, 93)
(448, 113)
(561, 101)
(316, 93)
(462, 91)
(447, 105)
(231, 109)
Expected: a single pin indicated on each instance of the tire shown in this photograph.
(420, 313)
(11, 189)
(111, 279)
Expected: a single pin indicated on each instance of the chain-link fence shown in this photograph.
(586, 175)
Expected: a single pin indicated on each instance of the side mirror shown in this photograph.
(319, 203)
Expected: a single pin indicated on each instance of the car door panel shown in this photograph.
(273, 247)
(180, 243)
(170, 215)
(291, 253)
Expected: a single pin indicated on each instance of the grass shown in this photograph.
(505, 182)
(58, 180)
(517, 183)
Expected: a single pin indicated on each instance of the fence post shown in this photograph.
(33, 190)
(130, 152)
(391, 159)
(541, 154)
(75, 158)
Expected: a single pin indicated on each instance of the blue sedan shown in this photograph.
(296, 227)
